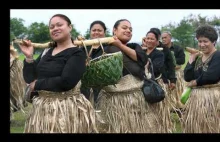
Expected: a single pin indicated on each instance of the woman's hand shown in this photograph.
(192, 83)
(193, 56)
(116, 42)
(32, 85)
(172, 86)
(143, 42)
(27, 49)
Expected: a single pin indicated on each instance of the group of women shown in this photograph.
(61, 105)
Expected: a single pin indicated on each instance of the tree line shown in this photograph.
(183, 33)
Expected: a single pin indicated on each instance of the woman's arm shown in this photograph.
(128, 51)
(29, 70)
(189, 72)
(212, 75)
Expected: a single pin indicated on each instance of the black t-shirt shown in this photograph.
(207, 74)
(168, 70)
(58, 73)
(157, 58)
(178, 53)
(135, 68)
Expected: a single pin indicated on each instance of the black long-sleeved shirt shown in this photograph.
(178, 53)
(135, 68)
(210, 76)
(157, 58)
(168, 70)
(57, 73)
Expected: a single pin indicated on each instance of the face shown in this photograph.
(166, 39)
(205, 45)
(151, 41)
(97, 31)
(123, 31)
(59, 29)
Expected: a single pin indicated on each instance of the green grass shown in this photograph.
(17, 124)
(21, 57)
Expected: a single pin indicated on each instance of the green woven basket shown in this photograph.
(104, 70)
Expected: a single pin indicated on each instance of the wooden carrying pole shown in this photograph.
(107, 40)
(192, 50)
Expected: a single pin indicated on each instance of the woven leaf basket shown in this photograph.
(103, 70)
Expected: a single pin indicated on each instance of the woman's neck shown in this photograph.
(149, 50)
(65, 44)
(210, 53)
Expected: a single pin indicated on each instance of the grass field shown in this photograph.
(21, 57)
(17, 124)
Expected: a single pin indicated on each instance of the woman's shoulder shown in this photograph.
(216, 55)
(76, 51)
(133, 45)
(158, 52)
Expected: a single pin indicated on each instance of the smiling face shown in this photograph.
(205, 45)
(151, 41)
(97, 31)
(123, 31)
(59, 29)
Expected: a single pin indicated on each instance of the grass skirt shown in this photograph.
(124, 109)
(56, 112)
(166, 106)
(180, 86)
(17, 87)
(202, 110)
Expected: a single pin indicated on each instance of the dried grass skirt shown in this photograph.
(124, 109)
(202, 110)
(55, 112)
(17, 87)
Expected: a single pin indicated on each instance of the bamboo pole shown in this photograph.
(192, 50)
(107, 40)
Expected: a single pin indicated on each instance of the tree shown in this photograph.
(38, 33)
(184, 33)
(87, 34)
(17, 28)
(74, 33)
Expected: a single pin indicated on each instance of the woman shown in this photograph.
(97, 30)
(124, 110)
(54, 79)
(17, 83)
(203, 73)
(161, 109)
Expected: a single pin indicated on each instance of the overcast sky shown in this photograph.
(141, 20)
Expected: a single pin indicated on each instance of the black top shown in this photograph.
(178, 53)
(157, 58)
(205, 73)
(57, 73)
(135, 68)
(168, 70)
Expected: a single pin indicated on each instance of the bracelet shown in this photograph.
(29, 60)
